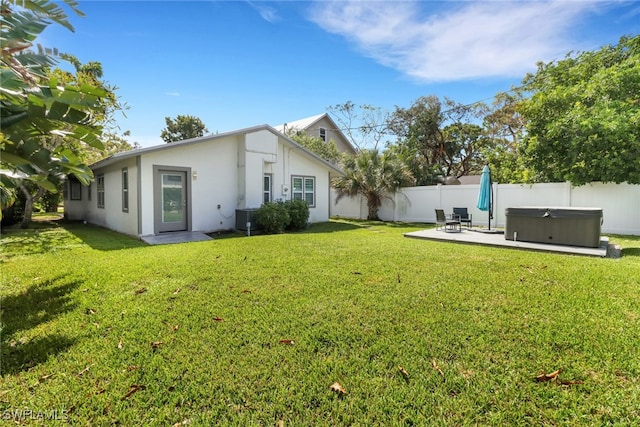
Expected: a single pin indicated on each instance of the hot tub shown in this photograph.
(558, 226)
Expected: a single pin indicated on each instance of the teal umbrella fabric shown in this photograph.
(484, 196)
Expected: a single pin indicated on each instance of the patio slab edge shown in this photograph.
(175, 237)
(498, 240)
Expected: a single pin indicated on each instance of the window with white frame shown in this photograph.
(100, 190)
(266, 188)
(125, 190)
(304, 188)
(323, 134)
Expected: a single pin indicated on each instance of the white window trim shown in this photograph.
(323, 137)
(270, 190)
(303, 193)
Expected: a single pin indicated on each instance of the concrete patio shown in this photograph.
(175, 237)
(496, 238)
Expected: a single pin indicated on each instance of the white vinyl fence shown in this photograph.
(620, 203)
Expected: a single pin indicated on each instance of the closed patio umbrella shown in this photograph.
(484, 196)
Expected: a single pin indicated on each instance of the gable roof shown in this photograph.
(302, 123)
(308, 122)
(168, 146)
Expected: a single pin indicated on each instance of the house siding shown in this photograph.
(302, 166)
(75, 210)
(224, 173)
(112, 216)
(331, 134)
(312, 125)
(213, 182)
(261, 151)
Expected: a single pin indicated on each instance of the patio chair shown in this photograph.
(448, 224)
(462, 215)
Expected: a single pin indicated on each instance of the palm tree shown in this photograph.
(373, 175)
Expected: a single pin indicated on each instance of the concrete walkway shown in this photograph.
(175, 237)
(497, 239)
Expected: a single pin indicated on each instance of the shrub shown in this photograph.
(299, 213)
(273, 217)
(13, 213)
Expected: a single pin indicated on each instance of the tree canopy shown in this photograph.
(584, 116)
(504, 127)
(45, 119)
(183, 127)
(364, 125)
(438, 138)
(328, 150)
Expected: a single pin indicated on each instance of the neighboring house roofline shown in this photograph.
(469, 179)
(300, 124)
(308, 122)
(132, 153)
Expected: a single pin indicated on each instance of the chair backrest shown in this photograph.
(461, 212)
(440, 216)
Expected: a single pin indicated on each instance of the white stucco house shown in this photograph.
(321, 126)
(199, 184)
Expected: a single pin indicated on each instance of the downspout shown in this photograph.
(139, 191)
(329, 193)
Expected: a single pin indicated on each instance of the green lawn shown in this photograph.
(106, 330)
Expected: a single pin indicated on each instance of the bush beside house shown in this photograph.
(276, 217)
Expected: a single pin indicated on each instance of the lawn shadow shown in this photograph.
(332, 227)
(100, 238)
(44, 236)
(366, 223)
(630, 252)
(630, 244)
(41, 237)
(226, 234)
(39, 304)
(320, 227)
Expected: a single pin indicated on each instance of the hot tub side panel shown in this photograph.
(569, 227)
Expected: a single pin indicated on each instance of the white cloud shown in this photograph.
(172, 93)
(267, 12)
(448, 41)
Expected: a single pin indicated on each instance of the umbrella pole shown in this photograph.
(490, 201)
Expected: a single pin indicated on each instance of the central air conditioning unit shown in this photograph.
(285, 190)
(244, 217)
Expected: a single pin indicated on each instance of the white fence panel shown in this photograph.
(415, 204)
(347, 207)
(620, 203)
(514, 195)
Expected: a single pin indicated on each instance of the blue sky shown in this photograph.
(237, 64)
